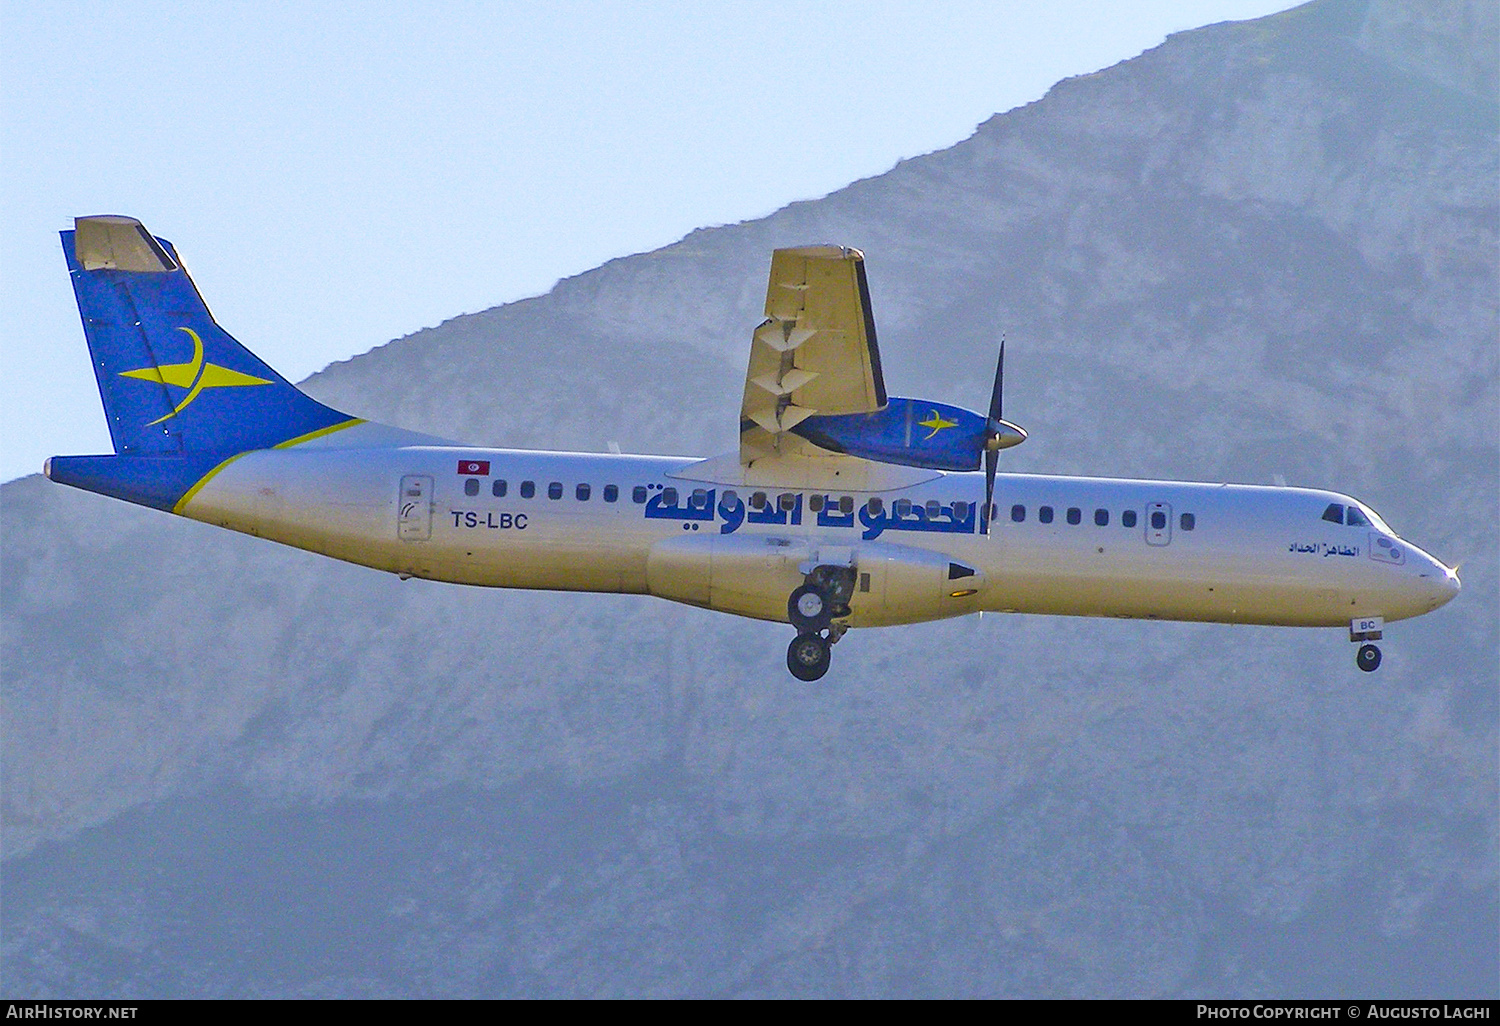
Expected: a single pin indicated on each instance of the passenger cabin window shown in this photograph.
(934, 507)
(581, 493)
(698, 499)
(1127, 519)
(960, 510)
(1187, 521)
(1158, 520)
(669, 496)
(758, 500)
(497, 489)
(611, 493)
(1075, 515)
(875, 506)
(902, 507)
(1018, 514)
(1334, 514)
(815, 503)
(846, 504)
(1354, 518)
(1044, 514)
(729, 498)
(1101, 517)
(554, 490)
(528, 489)
(638, 494)
(788, 501)
(471, 486)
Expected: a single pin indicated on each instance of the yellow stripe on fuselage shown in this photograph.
(330, 429)
(188, 495)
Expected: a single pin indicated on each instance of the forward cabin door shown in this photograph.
(1158, 523)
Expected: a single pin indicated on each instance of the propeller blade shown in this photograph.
(999, 434)
(991, 460)
(997, 394)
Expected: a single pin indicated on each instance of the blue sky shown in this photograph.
(338, 175)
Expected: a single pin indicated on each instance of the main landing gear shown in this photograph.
(822, 598)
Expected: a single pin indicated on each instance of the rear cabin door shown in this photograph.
(414, 508)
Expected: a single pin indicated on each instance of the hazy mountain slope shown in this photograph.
(1260, 249)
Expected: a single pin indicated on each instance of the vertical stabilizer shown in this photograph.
(173, 382)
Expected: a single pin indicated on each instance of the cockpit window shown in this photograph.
(1353, 516)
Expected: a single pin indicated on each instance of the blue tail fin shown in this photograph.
(173, 382)
(182, 397)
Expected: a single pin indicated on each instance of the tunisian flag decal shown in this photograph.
(472, 467)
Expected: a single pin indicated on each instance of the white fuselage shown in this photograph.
(606, 523)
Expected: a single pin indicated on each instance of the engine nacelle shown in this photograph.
(909, 432)
(900, 584)
(754, 575)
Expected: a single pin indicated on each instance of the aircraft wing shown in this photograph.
(815, 353)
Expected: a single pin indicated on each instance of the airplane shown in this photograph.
(843, 507)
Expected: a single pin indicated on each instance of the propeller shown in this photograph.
(999, 434)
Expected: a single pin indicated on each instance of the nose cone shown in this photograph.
(1440, 583)
(1451, 584)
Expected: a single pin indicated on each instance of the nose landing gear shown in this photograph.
(822, 598)
(1366, 629)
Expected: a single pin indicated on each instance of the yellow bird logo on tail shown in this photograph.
(195, 376)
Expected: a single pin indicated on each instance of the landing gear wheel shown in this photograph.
(1367, 658)
(807, 657)
(808, 610)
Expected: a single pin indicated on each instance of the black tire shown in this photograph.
(808, 657)
(808, 609)
(1367, 658)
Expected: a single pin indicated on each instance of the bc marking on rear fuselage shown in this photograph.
(844, 507)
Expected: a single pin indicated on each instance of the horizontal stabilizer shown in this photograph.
(111, 243)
